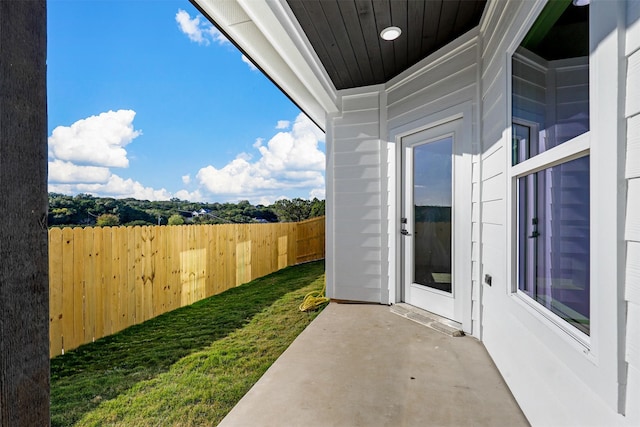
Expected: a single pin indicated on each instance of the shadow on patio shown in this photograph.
(361, 365)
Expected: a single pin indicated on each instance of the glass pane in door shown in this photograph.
(432, 190)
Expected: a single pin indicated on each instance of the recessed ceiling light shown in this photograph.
(390, 33)
(581, 2)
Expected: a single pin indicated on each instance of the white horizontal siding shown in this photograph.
(633, 210)
(494, 123)
(358, 158)
(633, 335)
(632, 106)
(357, 199)
(360, 215)
(356, 172)
(364, 227)
(632, 277)
(493, 213)
(633, 396)
(368, 270)
(357, 145)
(632, 228)
(462, 60)
(499, 32)
(632, 169)
(355, 185)
(633, 27)
(544, 369)
(428, 108)
(493, 164)
(494, 188)
(359, 118)
(493, 75)
(356, 101)
(355, 131)
(366, 291)
(449, 83)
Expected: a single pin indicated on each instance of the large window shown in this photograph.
(551, 164)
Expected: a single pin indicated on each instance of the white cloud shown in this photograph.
(121, 188)
(249, 63)
(283, 124)
(115, 186)
(193, 196)
(317, 193)
(81, 155)
(67, 172)
(266, 200)
(290, 161)
(198, 29)
(216, 35)
(97, 140)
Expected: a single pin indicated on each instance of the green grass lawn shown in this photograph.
(188, 367)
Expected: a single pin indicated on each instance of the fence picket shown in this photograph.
(66, 259)
(98, 282)
(123, 286)
(56, 293)
(103, 280)
(78, 287)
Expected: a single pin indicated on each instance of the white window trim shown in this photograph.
(603, 372)
(563, 153)
(574, 148)
(570, 150)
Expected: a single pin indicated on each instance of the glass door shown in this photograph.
(428, 224)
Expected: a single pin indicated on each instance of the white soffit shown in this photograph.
(254, 27)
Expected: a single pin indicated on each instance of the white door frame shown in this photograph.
(462, 217)
(446, 304)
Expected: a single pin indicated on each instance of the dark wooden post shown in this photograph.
(24, 287)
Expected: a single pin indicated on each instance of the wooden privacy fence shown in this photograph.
(102, 280)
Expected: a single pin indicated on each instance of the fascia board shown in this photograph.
(226, 12)
(262, 52)
(238, 25)
(277, 24)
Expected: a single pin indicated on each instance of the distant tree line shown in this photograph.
(88, 210)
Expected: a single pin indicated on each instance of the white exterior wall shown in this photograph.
(632, 229)
(441, 87)
(556, 379)
(357, 238)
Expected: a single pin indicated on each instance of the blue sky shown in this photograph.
(146, 99)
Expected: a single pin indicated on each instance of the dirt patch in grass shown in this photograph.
(188, 367)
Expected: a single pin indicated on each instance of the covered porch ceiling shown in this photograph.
(345, 34)
(312, 49)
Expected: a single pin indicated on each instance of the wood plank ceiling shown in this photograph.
(346, 34)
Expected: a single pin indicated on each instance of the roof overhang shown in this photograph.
(312, 48)
(268, 34)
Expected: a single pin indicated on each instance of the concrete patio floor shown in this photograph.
(362, 365)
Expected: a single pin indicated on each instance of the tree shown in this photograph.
(292, 210)
(176, 220)
(317, 208)
(107, 220)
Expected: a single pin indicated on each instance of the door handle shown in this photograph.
(405, 232)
